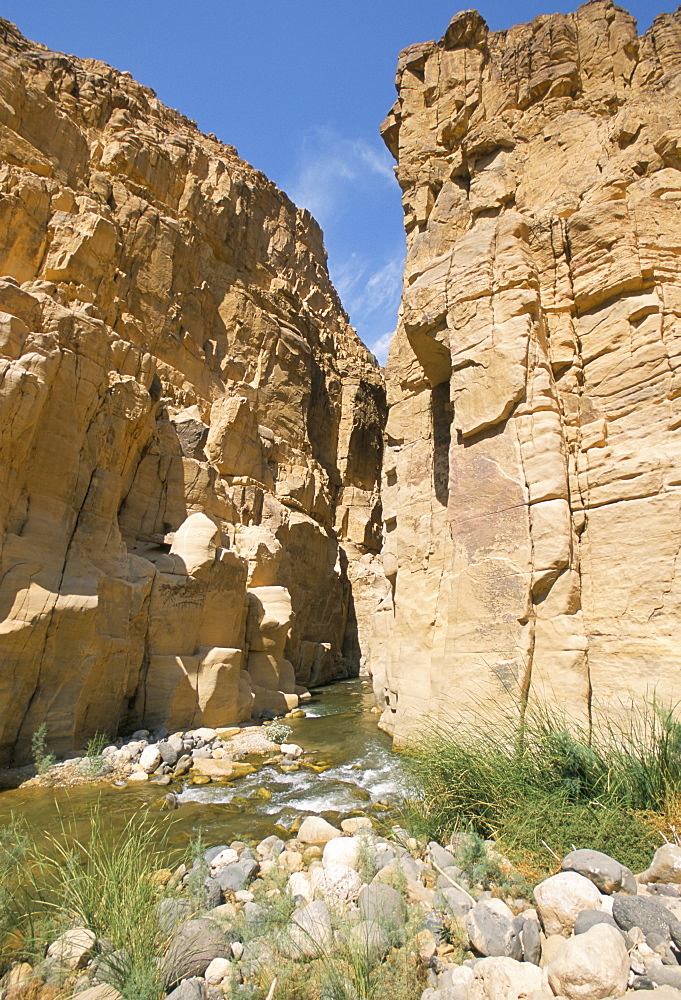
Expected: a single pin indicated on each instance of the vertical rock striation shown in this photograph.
(531, 491)
(188, 426)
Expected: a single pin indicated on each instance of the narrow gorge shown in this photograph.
(213, 498)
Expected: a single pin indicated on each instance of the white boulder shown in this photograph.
(560, 898)
(591, 966)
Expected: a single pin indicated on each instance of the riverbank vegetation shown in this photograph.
(542, 783)
(88, 903)
(86, 875)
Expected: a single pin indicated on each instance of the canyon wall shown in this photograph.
(190, 430)
(531, 490)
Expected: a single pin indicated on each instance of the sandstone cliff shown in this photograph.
(532, 510)
(189, 425)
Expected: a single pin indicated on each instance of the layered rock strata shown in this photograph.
(191, 431)
(532, 510)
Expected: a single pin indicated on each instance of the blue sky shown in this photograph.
(300, 88)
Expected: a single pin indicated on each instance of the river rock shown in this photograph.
(150, 758)
(342, 851)
(606, 874)
(661, 993)
(189, 989)
(103, 991)
(492, 930)
(367, 939)
(589, 918)
(651, 915)
(193, 947)
(235, 876)
(299, 884)
(441, 857)
(337, 884)
(455, 901)
(138, 776)
(530, 939)
(316, 830)
(454, 984)
(354, 824)
(212, 853)
(561, 897)
(291, 861)
(224, 858)
(309, 934)
(665, 866)
(270, 846)
(663, 975)
(385, 906)
(205, 733)
(169, 753)
(590, 966)
(219, 969)
(73, 949)
(209, 768)
(499, 978)
(170, 913)
(19, 974)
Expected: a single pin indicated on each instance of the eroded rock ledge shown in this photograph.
(189, 425)
(532, 509)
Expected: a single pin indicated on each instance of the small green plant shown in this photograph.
(278, 732)
(94, 761)
(43, 760)
(198, 873)
(366, 862)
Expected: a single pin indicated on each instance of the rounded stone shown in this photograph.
(342, 851)
(591, 966)
(561, 898)
(316, 830)
(503, 979)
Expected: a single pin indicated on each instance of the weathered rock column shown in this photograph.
(533, 461)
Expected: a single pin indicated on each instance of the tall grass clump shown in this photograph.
(14, 846)
(540, 783)
(104, 881)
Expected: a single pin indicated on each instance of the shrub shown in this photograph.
(278, 732)
(94, 761)
(41, 758)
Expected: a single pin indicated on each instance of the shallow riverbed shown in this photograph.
(338, 725)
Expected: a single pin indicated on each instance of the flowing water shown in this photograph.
(339, 726)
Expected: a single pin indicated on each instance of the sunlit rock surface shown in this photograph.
(186, 415)
(532, 509)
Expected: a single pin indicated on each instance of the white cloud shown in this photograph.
(365, 292)
(329, 165)
(379, 348)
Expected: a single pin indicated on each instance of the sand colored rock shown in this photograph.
(531, 479)
(186, 414)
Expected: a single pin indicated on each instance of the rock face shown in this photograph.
(191, 431)
(531, 481)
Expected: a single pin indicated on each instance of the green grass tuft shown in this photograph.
(543, 782)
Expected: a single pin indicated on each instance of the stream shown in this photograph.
(364, 774)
